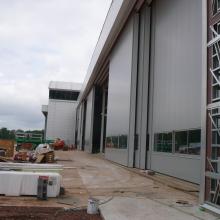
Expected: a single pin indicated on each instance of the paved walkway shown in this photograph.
(136, 208)
(125, 194)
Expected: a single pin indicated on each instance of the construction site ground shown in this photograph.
(123, 194)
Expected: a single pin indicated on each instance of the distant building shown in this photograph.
(60, 111)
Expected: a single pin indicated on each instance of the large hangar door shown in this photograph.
(176, 72)
(141, 118)
(119, 87)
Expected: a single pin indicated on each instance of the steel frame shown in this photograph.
(209, 104)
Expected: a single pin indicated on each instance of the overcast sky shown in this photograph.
(40, 41)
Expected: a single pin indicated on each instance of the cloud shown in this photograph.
(41, 41)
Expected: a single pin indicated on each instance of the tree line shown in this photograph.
(10, 134)
(7, 134)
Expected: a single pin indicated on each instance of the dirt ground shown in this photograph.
(42, 213)
(85, 175)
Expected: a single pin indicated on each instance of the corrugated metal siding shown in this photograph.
(177, 72)
(177, 65)
(60, 121)
(79, 128)
(186, 168)
(118, 114)
(89, 122)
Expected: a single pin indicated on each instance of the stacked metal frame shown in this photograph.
(212, 174)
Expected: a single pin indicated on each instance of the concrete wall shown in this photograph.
(60, 120)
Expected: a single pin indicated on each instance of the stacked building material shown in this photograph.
(27, 183)
(31, 167)
(8, 146)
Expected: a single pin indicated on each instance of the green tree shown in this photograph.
(4, 133)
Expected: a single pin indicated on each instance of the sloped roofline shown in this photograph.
(114, 22)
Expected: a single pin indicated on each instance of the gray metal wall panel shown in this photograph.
(177, 65)
(117, 155)
(80, 127)
(120, 68)
(134, 77)
(60, 121)
(89, 122)
(204, 101)
(186, 168)
(74, 125)
(142, 88)
(176, 72)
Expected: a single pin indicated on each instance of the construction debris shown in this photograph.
(21, 156)
(8, 147)
(28, 140)
(150, 172)
(3, 159)
(58, 144)
(31, 167)
(2, 153)
(43, 153)
(33, 170)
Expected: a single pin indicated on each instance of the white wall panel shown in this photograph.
(60, 121)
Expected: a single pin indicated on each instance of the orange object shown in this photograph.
(23, 156)
(26, 146)
(8, 146)
(58, 144)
